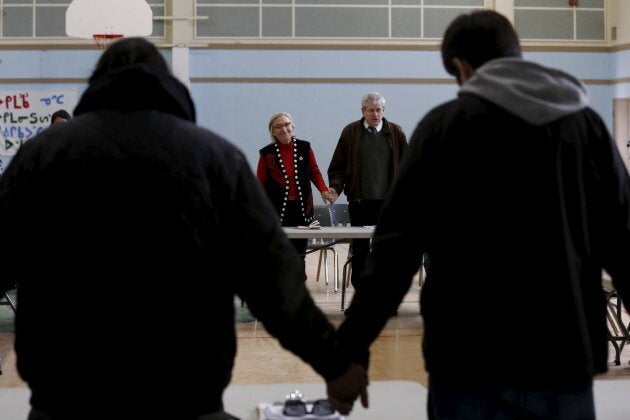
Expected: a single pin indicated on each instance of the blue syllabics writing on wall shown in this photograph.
(24, 114)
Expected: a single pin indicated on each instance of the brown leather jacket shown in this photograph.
(344, 171)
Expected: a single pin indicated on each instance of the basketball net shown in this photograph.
(105, 40)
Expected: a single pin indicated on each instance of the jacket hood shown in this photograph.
(138, 87)
(537, 94)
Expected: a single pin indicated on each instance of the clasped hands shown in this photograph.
(331, 196)
(343, 391)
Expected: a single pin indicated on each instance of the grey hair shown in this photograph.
(275, 117)
(370, 98)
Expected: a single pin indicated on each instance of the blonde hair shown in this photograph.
(275, 117)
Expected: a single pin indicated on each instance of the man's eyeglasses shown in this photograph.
(298, 408)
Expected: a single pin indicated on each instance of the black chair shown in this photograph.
(345, 278)
(339, 214)
(618, 332)
(341, 217)
(324, 246)
(6, 299)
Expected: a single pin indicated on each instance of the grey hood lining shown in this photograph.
(535, 93)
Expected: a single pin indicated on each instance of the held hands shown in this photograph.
(331, 195)
(328, 196)
(348, 387)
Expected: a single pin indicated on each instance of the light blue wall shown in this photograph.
(47, 64)
(620, 67)
(585, 65)
(620, 64)
(240, 111)
(315, 63)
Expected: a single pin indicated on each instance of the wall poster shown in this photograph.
(24, 114)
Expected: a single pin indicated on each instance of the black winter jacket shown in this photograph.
(524, 199)
(119, 226)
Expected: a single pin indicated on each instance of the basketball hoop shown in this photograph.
(104, 40)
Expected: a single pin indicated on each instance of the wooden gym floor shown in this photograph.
(396, 354)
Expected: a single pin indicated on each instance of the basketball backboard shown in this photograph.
(85, 18)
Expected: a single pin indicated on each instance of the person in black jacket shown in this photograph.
(524, 200)
(119, 226)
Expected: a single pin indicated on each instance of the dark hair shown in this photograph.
(478, 37)
(62, 113)
(126, 52)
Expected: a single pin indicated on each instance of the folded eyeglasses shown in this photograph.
(295, 406)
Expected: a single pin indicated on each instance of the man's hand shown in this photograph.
(327, 196)
(348, 387)
(332, 193)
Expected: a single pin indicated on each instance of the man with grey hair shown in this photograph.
(363, 166)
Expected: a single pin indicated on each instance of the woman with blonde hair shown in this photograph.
(286, 168)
